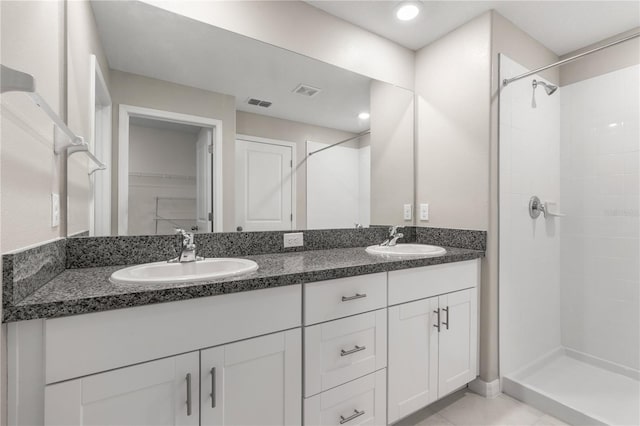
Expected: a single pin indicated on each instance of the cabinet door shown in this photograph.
(163, 392)
(253, 382)
(458, 340)
(413, 357)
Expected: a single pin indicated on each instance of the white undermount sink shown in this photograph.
(165, 272)
(407, 250)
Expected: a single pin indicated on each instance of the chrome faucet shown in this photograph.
(394, 236)
(188, 253)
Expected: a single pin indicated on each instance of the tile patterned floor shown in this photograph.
(464, 408)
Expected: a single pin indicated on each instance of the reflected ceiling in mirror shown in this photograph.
(141, 39)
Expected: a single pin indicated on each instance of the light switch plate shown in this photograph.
(424, 211)
(407, 212)
(55, 210)
(294, 239)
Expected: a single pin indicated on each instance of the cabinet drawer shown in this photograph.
(359, 402)
(419, 283)
(342, 350)
(332, 299)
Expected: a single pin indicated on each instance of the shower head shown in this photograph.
(549, 88)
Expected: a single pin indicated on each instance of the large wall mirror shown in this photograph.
(207, 130)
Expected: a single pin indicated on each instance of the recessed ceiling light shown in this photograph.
(407, 11)
(363, 116)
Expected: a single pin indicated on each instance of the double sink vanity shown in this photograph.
(334, 335)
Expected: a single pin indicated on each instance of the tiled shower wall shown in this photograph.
(600, 246)
(529, 248)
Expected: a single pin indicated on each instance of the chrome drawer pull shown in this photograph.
(352, 351)
(447, 311)
(354, 297)
(188, 394)
(437, 324)
(213, 387)
(355, 414)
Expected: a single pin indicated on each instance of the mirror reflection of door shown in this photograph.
(204, 199)
(264, 185)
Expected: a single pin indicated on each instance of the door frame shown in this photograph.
(100, 145)
(124, 115)
(294, 159)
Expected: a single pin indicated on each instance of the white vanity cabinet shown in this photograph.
(433, 346)
(252, 382)
(368, 349)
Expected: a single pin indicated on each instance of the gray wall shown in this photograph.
(392, 144)
(29, 171)
(452, 88)
(608, 60)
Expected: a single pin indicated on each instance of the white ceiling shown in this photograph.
(562, 26)
(145, 40)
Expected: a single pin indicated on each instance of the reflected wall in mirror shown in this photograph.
(211, 131)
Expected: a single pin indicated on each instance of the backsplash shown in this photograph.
(461, 238)
(26, 271)
(131, 250)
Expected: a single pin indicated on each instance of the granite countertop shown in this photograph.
(86, 290)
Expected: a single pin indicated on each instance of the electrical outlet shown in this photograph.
(55, 210)
(294, 239)
(424, 211)
(407, 212)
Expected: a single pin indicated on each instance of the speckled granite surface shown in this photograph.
(77, 291)
(130, 250)
(463, 238)
(133, 250)
(25, 271)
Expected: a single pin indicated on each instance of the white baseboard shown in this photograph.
(486, 389)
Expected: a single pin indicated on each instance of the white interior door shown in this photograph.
(155, 393)
(264, 186)
(204, 196)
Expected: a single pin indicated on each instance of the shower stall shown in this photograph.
(569, 226)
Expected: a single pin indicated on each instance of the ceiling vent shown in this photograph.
(258, 102)
(306, 90)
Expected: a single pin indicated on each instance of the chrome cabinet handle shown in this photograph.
(437, 324)
(352, 351)
(213, 387)
(354, 297)
(188, 394)
(447, 311)
(355, 414)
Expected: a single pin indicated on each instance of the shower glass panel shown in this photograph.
(570, 278)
